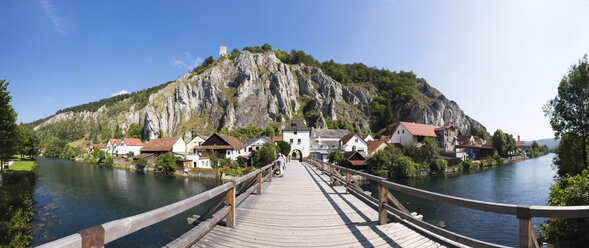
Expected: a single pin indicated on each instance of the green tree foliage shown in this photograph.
(391, 162)
(265, 155)
(439, 165)
(118, 133)
(54, 147)
(468, 165)
(423, 154)
(503, 142)
(16, 208)
(536, 150)
(69, 152)
(206, 64)
(568, 191)
(336, 156)
(569, 158)
(477, 132)
(283, 147)
(166, 163)
(135, 131)
(141, 163)
(569, 110)
(108, 161)
(8, 126)
(27, 141)
(270, 132)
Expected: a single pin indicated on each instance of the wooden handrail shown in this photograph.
(113, 230)
(524, 213)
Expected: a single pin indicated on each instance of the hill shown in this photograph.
(259, 87)
(550, 142)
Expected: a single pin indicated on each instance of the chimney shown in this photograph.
(518, 138)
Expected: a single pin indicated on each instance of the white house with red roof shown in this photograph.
(111, 146)
(352, 143)
(406, 132)
(129, 145)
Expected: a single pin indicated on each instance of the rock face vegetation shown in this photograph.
(259, 86)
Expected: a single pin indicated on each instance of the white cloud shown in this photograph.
(186, 61)
(50, 12)
(120, 93)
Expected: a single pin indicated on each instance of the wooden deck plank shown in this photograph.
(303, 210)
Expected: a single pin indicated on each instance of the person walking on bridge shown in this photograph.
(281, 164)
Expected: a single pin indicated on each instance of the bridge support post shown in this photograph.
(382, 200)
(271, 170)
(331, 173)
(259, 189)
(230, 202)
(322, 169)
(527, 238)
(348, 181)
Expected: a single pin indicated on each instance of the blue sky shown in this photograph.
(501, 61)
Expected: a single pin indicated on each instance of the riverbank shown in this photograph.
(16, 205)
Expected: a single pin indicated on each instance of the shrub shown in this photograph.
(468, 165)
(167, 163)
(130, 154)
(405, 167)
(108, 161)
(439, 165)
(141, 163)
(498, 159)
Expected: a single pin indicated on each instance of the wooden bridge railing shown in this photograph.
(102, 234)
(524, 213)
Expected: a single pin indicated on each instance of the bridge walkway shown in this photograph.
(301, 209)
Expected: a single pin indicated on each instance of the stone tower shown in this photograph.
(222, 50)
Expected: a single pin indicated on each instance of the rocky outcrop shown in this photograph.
(258, 89)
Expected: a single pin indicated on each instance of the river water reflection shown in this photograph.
(526, 182)
(71, 196)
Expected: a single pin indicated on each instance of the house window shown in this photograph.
(298, 141)
(250, 149)
(403, 130)
(398, 132)
(356, 141)
(295, 133)
(291, 141)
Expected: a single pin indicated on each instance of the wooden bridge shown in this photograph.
(304, 209)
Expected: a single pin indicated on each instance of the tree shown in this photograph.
(500, 142)
(7, 126)
(569, 159)
(569, 110)
(428, 151)
(439, 165)
(167, 163)
(141, 163)
(336, 156)
(283, 147)
(214, 158)
(135, 131)
(269, 131)
(118, 133)
(108, 161)
(54, 147)
(568, 191)
(265, 155)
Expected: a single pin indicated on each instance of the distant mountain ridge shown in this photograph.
(260, 89)
(550, 142)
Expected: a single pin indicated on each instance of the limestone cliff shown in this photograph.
(259, 89)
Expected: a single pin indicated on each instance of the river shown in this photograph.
(71, 196)
(525, 182)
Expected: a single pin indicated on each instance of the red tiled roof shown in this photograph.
(100, 146)
(220, 147)
(232, 141)
(385, 138)
(419, 129)
(133, 142)
(358, 162)
(373, 145)
(160, 145)
(114, 141)
(463, 139)
(144, 155)
(520, 143)
(275, 138)
(347, 138)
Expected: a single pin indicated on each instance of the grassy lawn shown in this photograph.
(22, 166)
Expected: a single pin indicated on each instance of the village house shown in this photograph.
(100, 147)
(353, 142)
(367, 137)
(225, 146)
(521, 144)
(111, 146)
(274, 139)
(324, 140)
(357, 160)
(194, 142)
(375, 146)
(164, 145)
(129, 145)
(405, 132)
(253, 145)
(297, 134)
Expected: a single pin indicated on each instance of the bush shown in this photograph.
(568, 191)
(405, 167)
(468, 165)
(167, 163)
(439, 165)
(265, 155)
(498, 159)
(141, 163)
(130, 154)
(108, 161)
